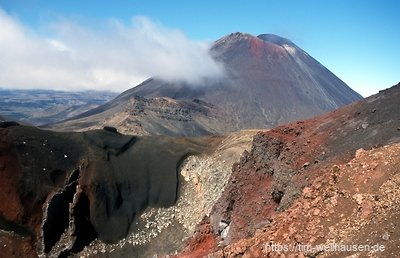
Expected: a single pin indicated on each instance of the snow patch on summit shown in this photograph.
(291, 50)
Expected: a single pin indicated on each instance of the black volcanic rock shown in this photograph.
(66, 189)
(269, 81)
(130, 174)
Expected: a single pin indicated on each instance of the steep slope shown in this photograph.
(354, 206)
(269, 81)
(159, 231)
(66, 189)
(329, 179)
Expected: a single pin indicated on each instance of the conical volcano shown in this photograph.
(269, 80)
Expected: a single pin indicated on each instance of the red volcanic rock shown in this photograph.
(260, 202)
(202, 242)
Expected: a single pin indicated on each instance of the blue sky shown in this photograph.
(358, 40)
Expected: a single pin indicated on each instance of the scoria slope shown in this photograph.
(330, 179)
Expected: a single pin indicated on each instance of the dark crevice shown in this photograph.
(67, 220)
(84, 232)
(74, 176)
(57, 216)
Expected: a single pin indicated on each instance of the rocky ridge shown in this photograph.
(286, 161)
(150, 116)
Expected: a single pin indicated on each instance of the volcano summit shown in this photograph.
(268, 81)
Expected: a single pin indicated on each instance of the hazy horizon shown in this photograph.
(103, 46)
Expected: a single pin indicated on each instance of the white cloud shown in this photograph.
(114, 58)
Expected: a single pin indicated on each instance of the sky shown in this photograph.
(114, 45)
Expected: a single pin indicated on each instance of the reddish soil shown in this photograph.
(10, 207)
(290, 160)
(12, 210)
(202, 241)
(256, 47)
(353, 203)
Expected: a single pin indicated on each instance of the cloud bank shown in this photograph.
(115, 58)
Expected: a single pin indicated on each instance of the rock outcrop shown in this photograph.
(153, 116)
(67, 189)
(302, 178)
